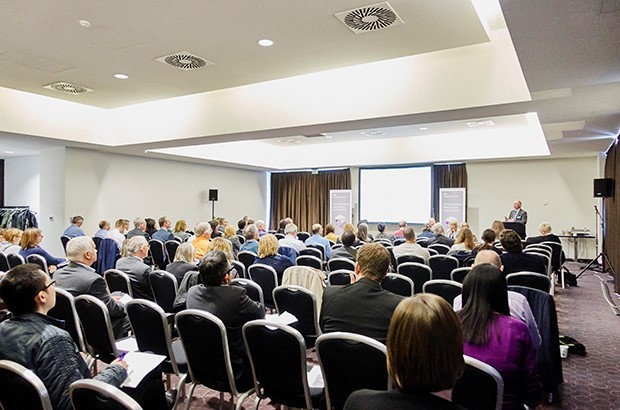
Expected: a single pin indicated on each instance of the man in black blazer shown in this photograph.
(133, 265)
(362, 307)
(514, 260)
(231, 305)
(78, 278)
(439, 236)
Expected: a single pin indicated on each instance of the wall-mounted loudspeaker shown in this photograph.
(213, 195)
(603, 188)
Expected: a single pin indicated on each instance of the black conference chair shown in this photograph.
(409, 258)
(21, 388)
(417, 272)
(240, 268)
(64, 239)
(164, 286)
(340, 263)
(158, 253)
(530, 280)
(97, 328)
(118, 281)
(479, 387)
(97, 241)
(252, 289)
(4, 263)
(15, 259)
(312, 251)
(38, 260)
(311, 261)
(351, 362)
(267, 278)
(398, 284)
(458, 274)
(318, 247)
(399, 241)
(340, 277)
(205, 343)
(301, 303)
(302, 236)
(171, 249)
(90, 394)
(247, 258)
(440, 248)
(447, 289)
(278, 357)
(442, 266)
(64, 309)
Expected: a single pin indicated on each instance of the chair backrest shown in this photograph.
(4, 263)
(64, 239)
(312, 251)
(458, 274)
(530, 280)
(164, 286)
(301, 303)
(319, 247)
(543, 253)
(340, 263)
(398, 284)
(432, 251)
(351, 362)
(417, 272)
(340, 277)
(64, 309)
(279, 235)
(336, 246)
(399, 241)
(302, 236)
(158, 253)
(542, 245)
(90, 394)
(15, 259)
(118, 281)
(96, 327)
(278, 357)
(38, 260)
(409, 258)
(442, 266)
(447, 289)
(241, 239)
(556, 254)
(267, 278)
(247, 258)
(97, 241)
(440, 248)
(252, 289)
(311, 261)
(383, 241)
(480, 386)
(171, 249)
(240, 268)
(21, 388)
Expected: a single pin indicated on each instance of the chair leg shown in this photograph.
(180, 390)
(167, 381)
(256, 402)
(188, 399)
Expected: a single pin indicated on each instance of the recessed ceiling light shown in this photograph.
(328, 137)
(85, 23)
(476, 124)
(9, 152)
(372, 133)
(265, 42)
(423, 128)
(121, 76)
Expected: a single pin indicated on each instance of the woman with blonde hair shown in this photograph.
(330, 233)
(464, 242)
(183, 261)
(424, 370)
(179, 230)
(268, 255)
(224, 245)
(31, 238)
(231, 235)
(497, 226)
(12, 237)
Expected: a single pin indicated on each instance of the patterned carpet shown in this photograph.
(590, 382)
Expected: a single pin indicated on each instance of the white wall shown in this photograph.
(21, 182)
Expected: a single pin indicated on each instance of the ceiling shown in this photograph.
(392, 96)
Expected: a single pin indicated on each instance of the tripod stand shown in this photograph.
(603, 255)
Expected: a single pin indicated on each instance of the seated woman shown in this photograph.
(231, 235)
(179, 230)
(423, 370)
(268, 255)
(362, 234)
(183, 261)
(497, 227)
(491, 335)
(12, 240)
(488, 238)
(330, 233)
(465, 242)
(453, 229)
(224, 245)
(31, 238)
(545, 235)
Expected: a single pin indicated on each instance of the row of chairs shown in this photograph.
(8, 261)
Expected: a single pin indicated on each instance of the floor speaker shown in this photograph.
(603, 188)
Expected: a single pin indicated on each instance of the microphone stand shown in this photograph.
(602, 254)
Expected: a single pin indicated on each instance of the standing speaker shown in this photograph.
(213, 195)
(603, 187)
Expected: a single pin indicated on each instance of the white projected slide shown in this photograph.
(391, 194)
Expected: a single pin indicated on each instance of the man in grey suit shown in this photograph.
(139, 230)
(362, 307)
(133, 265)
(518, 214)
(78, 278)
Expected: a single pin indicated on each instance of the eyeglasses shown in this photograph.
(52, 283)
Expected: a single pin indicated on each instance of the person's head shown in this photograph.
(122, 225)
(137, 246)
(282, 224)
(213, 268)
(290, 229)
(317, 229)
(373, 261)
(381, 227)
(416, 360)
(250, 232)
(517, 204)
(13, 235)
(150, 224)
(466, 237)
(103, 224)
(488, 256)
(229, 231)
(409, 234)
(214, 224)
(223, 245)
(185, 253)
(329, 228)
(488, 236)
(452, 224)
(437, 229)
(544, 228)
(164, 222)
(180, 226)
(362, 232)
(77, 220)
(510, 241)
(260, 224)
(82, 249)
(27, 289)
(203, 229)
(497, 226)
(349, 228)
(140, 223)
(267, 246)
(402, 223)
(485, 293)
(348, 238)
(431, 221)
(427, 227)
(241, 224)
(31, 238)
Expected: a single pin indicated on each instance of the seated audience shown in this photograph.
(491, 335)
(31, 238)
(184, 261)
(231, 305)
(12, 241)
(347, 250)
(150, 227)
(317, 238)
(514, 260)
(179, 230)
(440, 237)
(545, 235)
(282, 225)
(330, 233)
(229, 233)
(453, 229)
(118, 233)
(427, 233)
(399, 233)
(290, 239)
(465, 242)
(268, 255)
(348, 228)
(362, 234)
(201, 241)
(241, 225)
(488, 239)
(382, 234)
(75, 229)
(163, 234)
(250, 233)
(79, 278)
(133, 265)
(139, 229)
(424, 371)
(224, 245)
(497, 226)
(410, 247)
(214, 228)
(362, 307)
(104, 228)
(262, 228)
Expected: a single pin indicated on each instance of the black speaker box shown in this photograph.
(213, 195)
(603, 187)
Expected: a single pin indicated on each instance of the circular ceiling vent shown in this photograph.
(184, 61)
(68, 88)
(370, 18)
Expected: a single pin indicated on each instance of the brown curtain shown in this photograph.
(611, 212)
(447, 176)
(304, 196)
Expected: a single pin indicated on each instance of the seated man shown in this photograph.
(75, 229)
(317, 238)
(410, 247)
(382, 234)
(250, 233)
(139, 229)
(347, 250)
(163, 234)
(118, 233)
(290, 239)
(439, 236)
(137, 248)
(514, 260)
(231, 305)
(362, 307)
(37, 342)
(262, 228)
(400, 231)
(104, 228)
(78, 278)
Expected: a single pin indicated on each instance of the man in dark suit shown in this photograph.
(231, 305)
(439, 236)
(518, 214)
(346, 250)
(362, 307)
(133, 265)
(139, 230)
(78, 278)
(514, 260)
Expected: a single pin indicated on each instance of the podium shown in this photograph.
(518, 227)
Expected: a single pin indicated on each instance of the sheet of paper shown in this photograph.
(285, 318)
(124, 297)
(140, 364)
(128, 344)
(315, 377)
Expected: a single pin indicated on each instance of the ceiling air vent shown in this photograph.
(68, 88)
(184, 61)
(370, 18)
